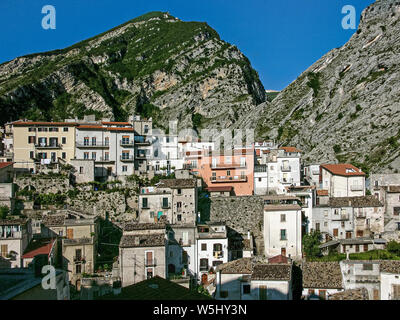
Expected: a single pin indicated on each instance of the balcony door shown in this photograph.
(149, 258)
(53, 142)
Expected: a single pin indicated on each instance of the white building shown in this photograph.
(342, 180)
(390, 280)
(282, 226)
(311, 174)
(212, 248)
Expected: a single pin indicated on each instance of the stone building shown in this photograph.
(390, 197)
(142, 252)
(390, 280)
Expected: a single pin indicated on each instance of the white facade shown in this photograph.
(311, 174)
(343, 185)
(390, 286)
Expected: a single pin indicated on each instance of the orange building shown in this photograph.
(221, 169)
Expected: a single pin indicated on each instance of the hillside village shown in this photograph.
(115, 205)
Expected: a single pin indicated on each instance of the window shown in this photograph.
(64, 140)
(322, 294)
(86, 141)
(335, 232)
(32, 129)
(149, 273)
(65, 129)
(204, 247)
(124, 168)
(31, 154)
(106, 141)
(396, 211)
(86, 155)
(395, 291)
(63, 155)
(259, 179)
(165, 203)
(31, 139)
(357, 248)
(283, 217)
(179, 191)
(80, 170)
(144, 203)
(246, 289)
(78, 268)
(283, 252)
(317, 226)
(348, 235)
(283, 234)
(228, 172)
(167, 139)
(223, 294)
(179, 217)
(4, 250)
(367, 266)
(204, 264)
(93, 141)
(53, 129)
(360, 233)
(365, 247)
(262, 292)
(106, 156)
(94, 155)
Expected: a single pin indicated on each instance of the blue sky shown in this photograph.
(281, 38)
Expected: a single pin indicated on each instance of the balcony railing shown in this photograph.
(356, 188)
(78, 259)
(127, 158)
(286, 168)
(92, 145)
(104, 159)
(228, 179)
(48, 146)
(126, 143)
(150, 262)
(217, 166)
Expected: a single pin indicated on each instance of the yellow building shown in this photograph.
(45, 143)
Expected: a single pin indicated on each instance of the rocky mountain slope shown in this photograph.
(155, 65)
(345, 107)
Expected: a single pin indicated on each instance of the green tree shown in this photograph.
(393, 247)
(311, 243)
(4, 211)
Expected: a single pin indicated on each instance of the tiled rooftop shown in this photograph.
(53, 220)
(343, 169)
(10, 222)
(272, 272)
(240, 266)
(356, 202)
(390, 266)
(352, 294)
(177, 183)
(131, 226)
(324, 275)
(142, 240)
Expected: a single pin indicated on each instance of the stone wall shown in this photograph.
(242, 214)
(44, 184)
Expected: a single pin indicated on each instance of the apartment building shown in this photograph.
(143, 252)
(390, 197)
(42, 144)
(176, 199)
(277, 168)
(311, 174)
(15, 235)
(235, 169)
(78, 242)
(282, 226)
(212, 248)
(342, 180)
(111, 145)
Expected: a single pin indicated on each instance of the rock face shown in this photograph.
(345, 107)
(155, 65)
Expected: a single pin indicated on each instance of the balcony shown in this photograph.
(127, 158)
(286, 168)
(126, 143)
(83, 145)
(150, 262)
(48, 146)
(227, 166)
(104, 160)
(11, 235)
(356, 188)
(342, 216)
(79, 259)
(218, 254)
(229, 179)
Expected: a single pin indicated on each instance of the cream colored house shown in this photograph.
(42, 143)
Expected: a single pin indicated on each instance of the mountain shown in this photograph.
(155, 65)
(345, 107)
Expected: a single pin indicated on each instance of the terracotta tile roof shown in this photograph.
(5, 164)
(343, 169)
(290, 149)
(38, 246)
(322, 192)
(278, 259)
(131, 226)
(53, 220)
(240, 266)
(272, 272)
(142, 240)
(177, 183)
(120, 129)
(116, 123)
(323, 275)
(10, 222)
(355, 202)
(352, 294)
(390, 266)
(220, 189)
(92, 127)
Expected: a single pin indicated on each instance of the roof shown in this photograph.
(99, 127)
(42, 123)
(392, 189)
(239, 266)
(278, 259)
(356, 202)
(390, 266)
(343, 169)
(352, 294)
(177, 183)
(275, 271)
(11, 222)
(281, 207)
(53, 220)
(38, 246)
(142, 240)
(323, 275)
(290, 149)
(156, 288)
(116, 123)
(220, 189)
(131, 226)
(322, 192)
(5, 164)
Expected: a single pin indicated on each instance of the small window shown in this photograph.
(124, 168)
(81, 170)
(144, 203)
(223, 294)
(283, 217)
(179, 191)
(64, 140)
(204, 247)
(367, 266)
(246, 289)
(63, 155)
(283, 234)
(65, 129)
(179, 217)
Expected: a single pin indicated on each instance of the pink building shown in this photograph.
(219, 169)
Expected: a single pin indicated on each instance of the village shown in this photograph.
(122, 212)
